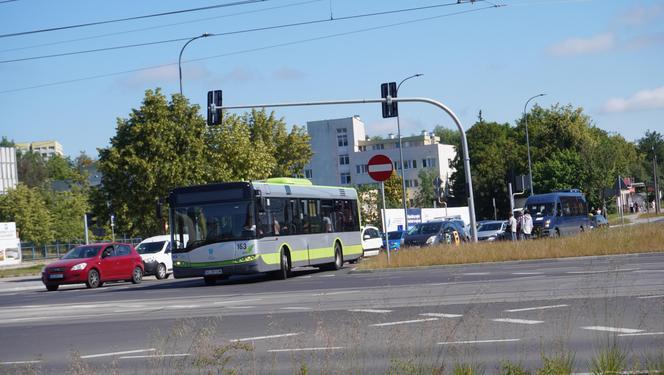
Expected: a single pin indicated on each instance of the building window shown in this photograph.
(308, 173)
(342, 137)
(428, 163)
(345, 178)
(362, 148)
(344, 160)
(397, 166)
(414, 163)
(362, 169)
(378, 146)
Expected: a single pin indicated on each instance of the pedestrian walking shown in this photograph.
(526, 225)
(513, 224)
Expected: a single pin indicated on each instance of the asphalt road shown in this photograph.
(337, 322)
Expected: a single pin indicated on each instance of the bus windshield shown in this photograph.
(214, 222)
(540, 209)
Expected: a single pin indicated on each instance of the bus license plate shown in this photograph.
(218, 271)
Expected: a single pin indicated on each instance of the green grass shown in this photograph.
(34, 270)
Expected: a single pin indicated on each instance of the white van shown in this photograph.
(156, 254)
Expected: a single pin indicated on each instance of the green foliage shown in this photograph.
(448, 136)
(560, 364)
(5, 142)
(66, 210)
(394, 191)
(369, 202)
(425, 194)
(467, 369)
(612, 360)
(26, 206)
(31, 168)
(59, 168)
(510, 368)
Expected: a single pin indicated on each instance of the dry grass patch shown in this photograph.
(650, 215)
(625, 240)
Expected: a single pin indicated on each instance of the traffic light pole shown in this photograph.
(389, 100)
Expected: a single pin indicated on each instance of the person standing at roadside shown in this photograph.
(527, 225)
(512, 222)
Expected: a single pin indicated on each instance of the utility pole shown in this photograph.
(654, 174)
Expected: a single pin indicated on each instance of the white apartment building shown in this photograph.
(47, 149)
(341, 152)
(8, 169)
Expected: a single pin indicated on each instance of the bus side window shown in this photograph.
(559, 210)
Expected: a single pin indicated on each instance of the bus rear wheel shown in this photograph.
(338, 260)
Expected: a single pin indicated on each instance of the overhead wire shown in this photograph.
(255, 29)
(158, 26)
(243, 2)
(300, 41)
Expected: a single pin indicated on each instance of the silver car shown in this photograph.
(492, 230)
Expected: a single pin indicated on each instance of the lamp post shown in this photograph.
(204, 35)
(658, 209)
(530, 167)
(403, 179)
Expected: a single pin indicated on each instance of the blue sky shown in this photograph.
(606, 56)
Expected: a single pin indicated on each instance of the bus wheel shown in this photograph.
(284, 268)
(338, 258)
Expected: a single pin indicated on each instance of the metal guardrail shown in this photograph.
(30, 251)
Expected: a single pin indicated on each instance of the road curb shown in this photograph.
(444, 266)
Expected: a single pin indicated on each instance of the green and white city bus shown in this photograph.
(262, 226)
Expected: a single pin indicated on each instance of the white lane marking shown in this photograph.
(518, 321)
(440, 315)
(642, 334)
(305, 349)
(237, 301)
(476, 273)
(137, 310)
(183, 306)
(327, 275)
(376, 311)
(153, 356)
(527, 273)
(18, 363)
(117, 353)
(536, 308)
(603, 271)
(402, 322)
(266, 337)
(304, 277)
(297, 308)
(334, 293)
(646, 271)
(240, 307)
(477, 341)
(647, 297)
(612, 329)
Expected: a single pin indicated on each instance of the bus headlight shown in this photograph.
(248, 258)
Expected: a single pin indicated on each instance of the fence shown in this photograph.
(31, 251)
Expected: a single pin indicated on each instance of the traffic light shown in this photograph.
(389, 109)
(214, 103)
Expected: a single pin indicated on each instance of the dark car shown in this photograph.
(433, 233)
(93, 265)
(598, 221)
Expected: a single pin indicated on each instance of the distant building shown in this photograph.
(341, 151)
(8, 169)
(47, 149)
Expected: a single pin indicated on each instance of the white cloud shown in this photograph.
(640, 101)
(581, 46)
(287, 74)
(239, 74)
(165, 74)
(641, 15)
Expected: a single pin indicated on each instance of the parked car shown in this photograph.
(94, 265)
(371, 241)
(433, 233)
(395, 238)
(156, 254)
(492, 230)
(598, 221)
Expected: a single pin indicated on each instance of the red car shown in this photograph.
(93, 265)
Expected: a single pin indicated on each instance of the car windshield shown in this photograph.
(540, 209)
(216, 222)
(489, 226)
(425, 228)
(82, 252)
(150, 247)
(394, 235)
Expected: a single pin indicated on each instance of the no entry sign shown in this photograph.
(380, 167)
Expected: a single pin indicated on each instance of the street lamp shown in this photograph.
(204, 35)
(403, 177)
(530, 167)
(658, 209)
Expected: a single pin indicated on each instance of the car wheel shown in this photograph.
(210, 281)
(161, 271)
(93, 279)
(52, 287)
(137, 275)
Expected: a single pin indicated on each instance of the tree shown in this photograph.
(66, 210)
(393, 191)
(369, 202)
(448, 136)
(27, 207)
(5, 142)
(425, 195)
(31, 168)
(159, 147)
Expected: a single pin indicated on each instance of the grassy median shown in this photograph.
(642, 238)
(22, 271)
